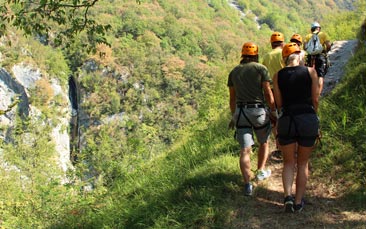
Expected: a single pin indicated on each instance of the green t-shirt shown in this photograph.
(273, 61)
(247, 79)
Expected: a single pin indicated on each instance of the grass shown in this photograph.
(343, 155)
(190, 186)
(197, 184)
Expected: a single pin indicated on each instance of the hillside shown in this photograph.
(197, 184)
(135, 135)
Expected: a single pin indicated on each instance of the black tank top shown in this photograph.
(295, 86)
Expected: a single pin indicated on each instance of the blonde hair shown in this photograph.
(291, 58)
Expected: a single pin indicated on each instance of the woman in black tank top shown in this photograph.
(296, 91)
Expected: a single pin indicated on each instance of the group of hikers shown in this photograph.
(279, 96)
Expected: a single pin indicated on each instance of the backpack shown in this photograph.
(314, 47)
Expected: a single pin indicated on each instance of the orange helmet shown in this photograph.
(277, 36)
(250, 49)
(296, 37)
(289, 49)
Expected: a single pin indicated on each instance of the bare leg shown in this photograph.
(321, 83)
(274, 132)
(302, 172)
(244, 163)
(263, 152)
(288, 152)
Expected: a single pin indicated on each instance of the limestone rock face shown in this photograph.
(16, 86)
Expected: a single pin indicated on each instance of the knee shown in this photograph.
(289, 160)
(289, 164)
(302, 166)
(245, 151)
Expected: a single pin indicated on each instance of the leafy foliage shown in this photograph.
(40, 17)
(155, 104)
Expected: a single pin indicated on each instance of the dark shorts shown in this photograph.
(302, 128)
(321, 64)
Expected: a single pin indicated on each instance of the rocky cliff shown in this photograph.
(16, 86)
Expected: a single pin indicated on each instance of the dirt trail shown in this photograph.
(324, 207)
(339, 55)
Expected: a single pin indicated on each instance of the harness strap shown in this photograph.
(241, 111)
(292, 121)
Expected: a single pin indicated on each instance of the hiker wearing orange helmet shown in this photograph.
(319, 60)
(249, 88)
(296, 94)
(296, 38)
(273, 59)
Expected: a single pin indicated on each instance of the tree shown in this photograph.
(59, 20)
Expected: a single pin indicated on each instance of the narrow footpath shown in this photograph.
(339, 55)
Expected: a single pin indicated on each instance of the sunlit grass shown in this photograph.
(343, 115)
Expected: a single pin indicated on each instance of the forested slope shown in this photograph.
(164, 72)
(168, 58)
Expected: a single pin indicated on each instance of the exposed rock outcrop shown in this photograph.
(16, 87)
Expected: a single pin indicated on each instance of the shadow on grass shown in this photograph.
(216, 201)
(319, 212)
(192, 188)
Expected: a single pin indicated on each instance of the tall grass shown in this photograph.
(190, 186)
(197, 184)
(342, 159)
(187, 187)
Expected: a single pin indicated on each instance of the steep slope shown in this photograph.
(166, 69)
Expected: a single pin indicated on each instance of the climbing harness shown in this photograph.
(291, 112)
(241, 111)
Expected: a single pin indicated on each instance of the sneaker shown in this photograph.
(248, 189)
(289, 204)
(300, 206)
(263, 174)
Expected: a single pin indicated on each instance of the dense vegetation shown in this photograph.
(165, 62)
(164, 75)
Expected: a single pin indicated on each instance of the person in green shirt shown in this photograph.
(249, 88)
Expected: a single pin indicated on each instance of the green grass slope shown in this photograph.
(197, 184)
(182, 57)
(343, 118)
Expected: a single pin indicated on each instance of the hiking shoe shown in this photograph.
(248, 189)
(300, 206)
(289, 204)
(263, 174)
